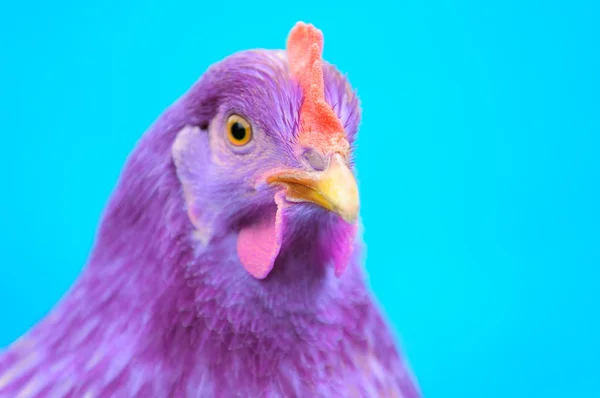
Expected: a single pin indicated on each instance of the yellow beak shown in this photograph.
(334, 189)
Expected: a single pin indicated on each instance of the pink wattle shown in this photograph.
(343, 248)
(258, 244)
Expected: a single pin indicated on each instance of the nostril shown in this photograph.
(314, 159)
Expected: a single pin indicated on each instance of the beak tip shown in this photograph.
(348, 213)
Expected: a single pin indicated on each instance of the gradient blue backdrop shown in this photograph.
(477, 159)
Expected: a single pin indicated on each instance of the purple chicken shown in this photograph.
(227, 263)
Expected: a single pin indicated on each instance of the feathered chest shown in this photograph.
(208, 358)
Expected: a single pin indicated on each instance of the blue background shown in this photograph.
(477, 159)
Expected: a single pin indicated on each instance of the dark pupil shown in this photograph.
(238, 131)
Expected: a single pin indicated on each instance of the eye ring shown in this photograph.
(239, 130)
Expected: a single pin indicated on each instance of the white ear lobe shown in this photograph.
(184, 143)
(183, 152)
(189, 152)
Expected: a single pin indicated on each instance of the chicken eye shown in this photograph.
(239, 131)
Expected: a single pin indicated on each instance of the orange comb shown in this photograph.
(319, 126)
